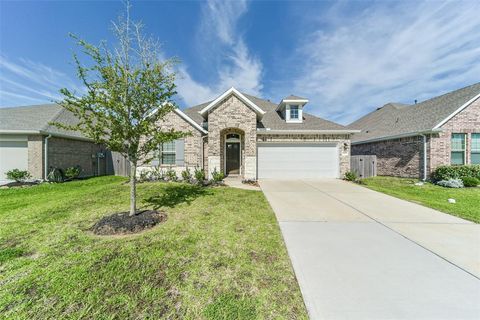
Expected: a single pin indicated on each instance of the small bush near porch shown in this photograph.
(219, 255)
(430, 195)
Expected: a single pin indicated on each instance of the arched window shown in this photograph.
(232, 137)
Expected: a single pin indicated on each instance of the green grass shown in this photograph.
(467, 204)
(219, 255)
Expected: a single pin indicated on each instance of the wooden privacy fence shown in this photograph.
(117, 164)
(364, 166)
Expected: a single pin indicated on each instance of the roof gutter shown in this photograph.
(398, 136)
(42, 132)
(269, 131)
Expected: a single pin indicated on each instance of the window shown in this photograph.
(293, 112)
(475, 154)
(167, 153)
(458, 148)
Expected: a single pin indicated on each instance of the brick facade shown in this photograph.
(404, 157)
(342, 141)
(64, 153)
(35, 156)
(232, 115)
(397, 157)
(193, 143)
(467, 121)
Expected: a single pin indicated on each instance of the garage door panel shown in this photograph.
(297, 161)
(13, 155)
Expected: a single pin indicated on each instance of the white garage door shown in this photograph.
(13, 155)
(297, 161)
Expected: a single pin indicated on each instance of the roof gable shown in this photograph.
(240, 96)
(274, 121)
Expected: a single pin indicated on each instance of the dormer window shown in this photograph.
(291, 108)
(293, 112)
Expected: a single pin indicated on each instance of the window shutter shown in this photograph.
(180, 152)
(155, 161)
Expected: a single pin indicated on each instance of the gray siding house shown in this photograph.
(413, 140)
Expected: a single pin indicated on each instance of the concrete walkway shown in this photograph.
(360, 254)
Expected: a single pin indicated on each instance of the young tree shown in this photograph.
(129, 89)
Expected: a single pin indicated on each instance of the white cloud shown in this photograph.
(225, 52)
(392, 52)
(24, 81)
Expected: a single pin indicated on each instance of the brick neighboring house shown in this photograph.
(248, 137)
(28, 142)
(413, 140)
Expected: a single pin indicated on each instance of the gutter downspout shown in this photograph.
(203, 152)
(46, 156)
(424, 157)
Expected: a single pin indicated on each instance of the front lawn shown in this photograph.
(219, 255)
(467, 204)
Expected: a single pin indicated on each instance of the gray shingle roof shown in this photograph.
(294, 97)
(37, 118)
(396, 119)
(273, 119)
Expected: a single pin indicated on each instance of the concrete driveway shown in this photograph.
(360, 254)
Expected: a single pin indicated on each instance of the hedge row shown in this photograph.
(456, 172)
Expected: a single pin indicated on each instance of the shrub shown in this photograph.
(55, 175)
(199, 175)
(451, 183)
(144, 176)
(470, 182)
(171, 175)
(186, 175)
(217, 175)
(351, 176)
(156, 174)
(456, 172)
(72, 172)
(18, 175)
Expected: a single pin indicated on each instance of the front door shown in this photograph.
(232, 158)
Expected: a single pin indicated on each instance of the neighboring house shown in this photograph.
(413, 140)
(29, 142)
(249, 137)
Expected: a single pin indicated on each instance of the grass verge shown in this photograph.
(430, 195)
(219, 255)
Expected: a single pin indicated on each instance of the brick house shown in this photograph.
(248, 137)
(413, 140)
(29, 142)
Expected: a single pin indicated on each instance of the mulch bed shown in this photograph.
(251, 183)
(123, 223)
(19, 184)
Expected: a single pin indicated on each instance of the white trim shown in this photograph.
(398, 136)
(239, 95)
(304, 101)
(42, 132)
(20, 132)
(457, 111)
(189, 120)
(340, 131)
(225, 154)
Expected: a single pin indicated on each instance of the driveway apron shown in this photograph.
(360, 254)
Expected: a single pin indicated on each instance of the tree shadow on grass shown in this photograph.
(175, 194)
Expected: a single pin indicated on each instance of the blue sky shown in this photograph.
(346, 57)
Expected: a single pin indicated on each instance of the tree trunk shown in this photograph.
(133, 188)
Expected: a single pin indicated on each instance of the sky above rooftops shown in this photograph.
(347, 58)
